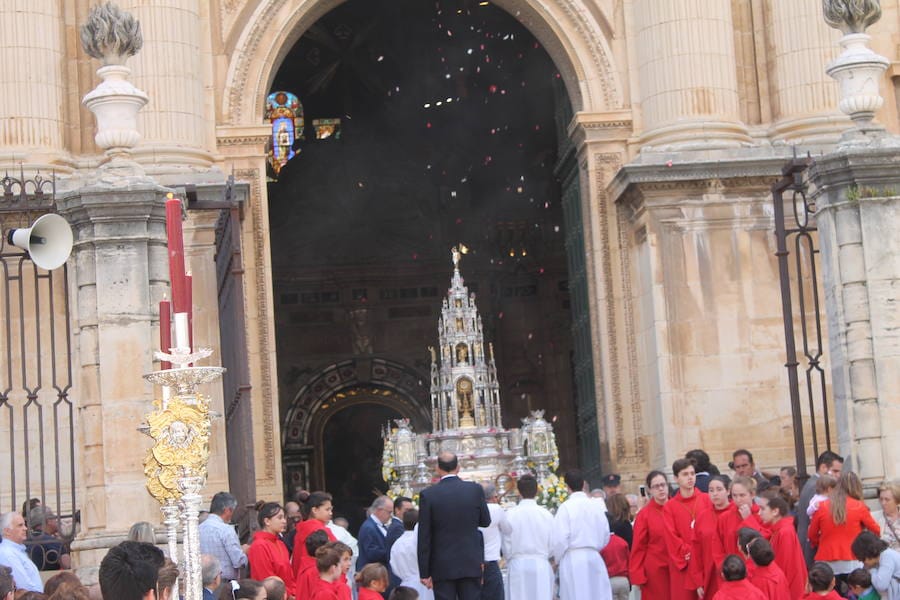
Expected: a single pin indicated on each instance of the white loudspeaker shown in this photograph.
(48, 241)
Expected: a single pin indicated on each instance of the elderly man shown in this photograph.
(527, 546)
(210, 575)
(130, 571)
(218, 537)
(14, 555)
(492, 586)
(45, 547)
(293, 516)
(581, 530)
(373, 532)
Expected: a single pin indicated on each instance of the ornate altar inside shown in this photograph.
(465, 409)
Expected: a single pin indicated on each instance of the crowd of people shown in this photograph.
(748, 535)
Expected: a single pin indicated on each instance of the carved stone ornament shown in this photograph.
(111, 35)
(851, 16)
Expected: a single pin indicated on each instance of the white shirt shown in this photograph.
(579, 523)
(344, 536)
(530, 530)
(381, 526)
(405, 563)
(493, 533)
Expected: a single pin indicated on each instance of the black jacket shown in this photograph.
(450, 545)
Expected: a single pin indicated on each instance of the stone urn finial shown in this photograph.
(858, 70)
(851, 16)
(111, 35)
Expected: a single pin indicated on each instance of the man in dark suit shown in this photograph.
(210, 575)
(373, 547)
(450, 546)
(395, 528)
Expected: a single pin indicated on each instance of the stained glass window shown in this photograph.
(327, 129)
(285, 113)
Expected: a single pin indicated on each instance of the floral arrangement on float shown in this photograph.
(552, 492)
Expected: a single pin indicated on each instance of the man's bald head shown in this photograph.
(447, 464)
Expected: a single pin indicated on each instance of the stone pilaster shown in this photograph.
(173, 69)
(705, 301)
(858, 214)
(688, 89)
(804, 98)
(32, 103)
(120, 274)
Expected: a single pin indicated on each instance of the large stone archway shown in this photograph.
(576, 39)
(594, 145)
(337, 387)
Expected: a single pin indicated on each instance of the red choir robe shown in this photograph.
(730, 522)
(772, 582)
(789, 555)
(367, 594)
(307, 578)
(304, 528)
(649, 562)
(738, 590)
(686, 520)
(343, 588)
(269, 556)
(325, 590)
(615, 555)
(712, 544)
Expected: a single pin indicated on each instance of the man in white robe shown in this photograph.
(405, 556)
(527, 546)
(581, 530)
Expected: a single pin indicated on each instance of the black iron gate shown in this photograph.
(798, 263)
(37, 414)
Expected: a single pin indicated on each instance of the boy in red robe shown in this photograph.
(821, 583)
(762, 571)
(788, 553)
(688, 510)
(328, 564)
(342, 585)
(308, 576)
(734, 584)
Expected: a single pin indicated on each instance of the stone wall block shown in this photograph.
(853, 263)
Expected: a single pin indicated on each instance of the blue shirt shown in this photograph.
(24, 571)
(220, 540)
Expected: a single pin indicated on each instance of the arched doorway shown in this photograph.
(351, 454)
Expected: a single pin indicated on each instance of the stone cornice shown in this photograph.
(615, 126)
(247, 135)
(637, 180)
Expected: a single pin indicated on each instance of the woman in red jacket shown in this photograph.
(763, 572)
(649, 563)
(268, 555)
(773, 510)
(687, 515)
(836, 524)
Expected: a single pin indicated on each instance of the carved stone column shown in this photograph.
(858, 215)
(33, 83)
(173, 69)
(804, 98)
(688, 89)
(121, 274)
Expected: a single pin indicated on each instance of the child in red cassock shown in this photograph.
(763, 571)
(821, 583)
(773, 510)
(734, 584)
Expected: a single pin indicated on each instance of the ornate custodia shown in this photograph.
(466, 416)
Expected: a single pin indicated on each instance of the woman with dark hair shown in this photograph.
(649, 562)
(883, 563)
(618, 512)
(710, 537)
(316, 512)
(688, 514)
(268, 555)
(765, 574)
(734, 584)
(773, 511)
(836, 524)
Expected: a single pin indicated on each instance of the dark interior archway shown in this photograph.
(351, 449)
(453, 121)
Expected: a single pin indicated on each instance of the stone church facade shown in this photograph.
(684, 115)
